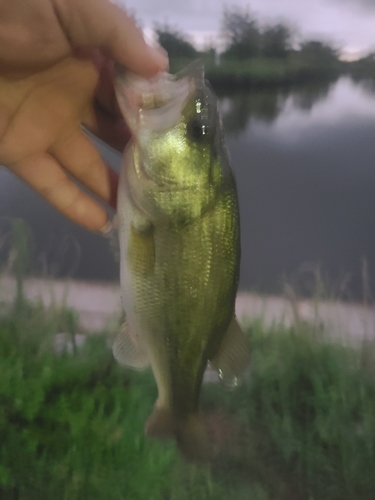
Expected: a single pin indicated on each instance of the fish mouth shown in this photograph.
(155, 104)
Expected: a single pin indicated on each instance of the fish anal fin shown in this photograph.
(233, 356)
(129, 349)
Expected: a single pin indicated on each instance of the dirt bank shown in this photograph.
(99, 304)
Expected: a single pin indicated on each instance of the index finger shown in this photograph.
(99, 23)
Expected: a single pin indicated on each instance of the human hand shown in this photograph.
(56, 73)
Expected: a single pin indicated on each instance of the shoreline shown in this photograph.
(231, 74)
(99, 307)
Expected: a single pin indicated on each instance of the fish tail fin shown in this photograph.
(192, 439)
(189, 432)
(161, 423)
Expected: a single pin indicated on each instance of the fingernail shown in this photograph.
(115, 222)
(107, 229)
(160, 57)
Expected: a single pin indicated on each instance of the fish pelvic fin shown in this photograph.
(189, 432)
(129, 349)
(234, 355)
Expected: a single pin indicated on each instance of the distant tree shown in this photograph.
(175, 42)
(319, 51)
(240, 33)
(276, 41)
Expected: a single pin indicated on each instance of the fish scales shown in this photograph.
(180, 250)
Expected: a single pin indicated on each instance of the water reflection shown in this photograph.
(368, 85)
(307, 190)
(303, 159)
(265, 105)
(307, 96)
(239, 108)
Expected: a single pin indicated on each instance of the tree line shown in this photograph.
(243, 38)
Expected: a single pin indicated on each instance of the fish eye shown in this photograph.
(196, 129)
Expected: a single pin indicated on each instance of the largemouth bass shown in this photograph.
(179, 249)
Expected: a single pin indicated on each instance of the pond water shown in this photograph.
(304, 160)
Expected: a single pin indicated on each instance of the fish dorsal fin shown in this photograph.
(233, 356)
(129, 349)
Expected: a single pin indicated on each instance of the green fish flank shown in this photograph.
(180, 250)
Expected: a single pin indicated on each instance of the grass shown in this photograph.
(71, 426)
(308, 418)
(301, 427)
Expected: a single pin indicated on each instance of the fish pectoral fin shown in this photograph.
(129, 349)
(233, 356)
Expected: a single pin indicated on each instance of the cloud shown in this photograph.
(358, 4)
(346, 23)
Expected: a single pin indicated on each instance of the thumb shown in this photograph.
(99, 23)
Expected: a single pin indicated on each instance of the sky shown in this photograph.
(348, 24)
